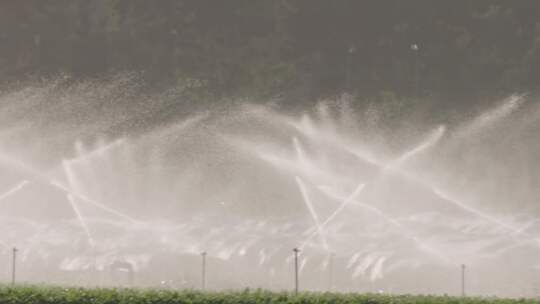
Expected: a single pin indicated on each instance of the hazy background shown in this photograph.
(468, 52)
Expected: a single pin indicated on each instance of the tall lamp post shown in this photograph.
(296, 251)
(203, 270)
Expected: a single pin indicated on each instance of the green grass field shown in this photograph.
(59, 295)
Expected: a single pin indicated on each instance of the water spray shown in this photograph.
(99, 152)
(477, 124)
(433, 138)
(338, 210)
(488, 118)
(45, 179)
(81, 220)
(476, 212)
(400, 228)
(13, 190)
(312, 211)
(90, 201)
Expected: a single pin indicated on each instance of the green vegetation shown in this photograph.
(58, 295)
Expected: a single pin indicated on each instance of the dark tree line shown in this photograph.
(310, 48)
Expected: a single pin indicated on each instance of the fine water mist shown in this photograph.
(100, 179)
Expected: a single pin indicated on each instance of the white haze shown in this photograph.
(97, 172)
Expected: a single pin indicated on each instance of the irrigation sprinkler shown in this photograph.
(462, 280)
(203, 270)
(296, 250)
(14, 266)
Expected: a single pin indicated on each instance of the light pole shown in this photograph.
(203, 270)
(415, 48)
(296, 250)
(14, 265)
(462, 280)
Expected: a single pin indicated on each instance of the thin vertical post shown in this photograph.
(14, 266)
(203, 271)
(296, 250)
(462, 280)
(331, 272)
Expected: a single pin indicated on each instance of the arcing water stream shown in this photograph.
(97, 174)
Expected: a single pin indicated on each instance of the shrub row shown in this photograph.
(58, 295)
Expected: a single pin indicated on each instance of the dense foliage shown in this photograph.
(57, 295)
(312, 48)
